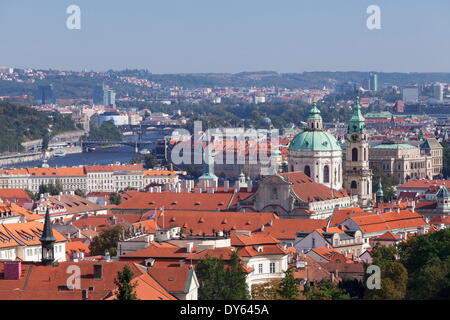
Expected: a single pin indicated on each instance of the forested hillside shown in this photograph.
(19, 124)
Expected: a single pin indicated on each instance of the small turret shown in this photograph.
(314, 118)
(47, 241)
(379, 194)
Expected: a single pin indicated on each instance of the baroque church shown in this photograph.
(319, 155)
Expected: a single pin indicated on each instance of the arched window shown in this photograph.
(308, 171)
(274, 193)
(354, 154)
(326, 174)
(354, 185)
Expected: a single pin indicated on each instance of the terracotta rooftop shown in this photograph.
(178, 201)
(424, 184)
(207, 221)
(308, 190)
(39, 282)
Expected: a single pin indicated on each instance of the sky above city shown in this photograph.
(184, 36)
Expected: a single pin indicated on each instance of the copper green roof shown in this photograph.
(379, 192)
(378, 115)
(357, 121)
(443, 192)
(314, 113)
(317, 140)
(393, 146)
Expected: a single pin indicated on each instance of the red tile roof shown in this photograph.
(308, 190)
(389, 221)
(205, 222)
(14, 194)
(424, 184)
(48, 282)
(178, 201)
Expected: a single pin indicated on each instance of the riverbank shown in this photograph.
(101, 156)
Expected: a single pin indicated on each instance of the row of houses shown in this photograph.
(98, 178)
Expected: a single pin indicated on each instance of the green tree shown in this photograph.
(115, 198)
(126, 289)
(427, 259)
(353, 287)
(107, 131)
(325, 290)
(289, 286)
(80, 193)
(52, 189)
(148, 161)
(236, 287)
(106, 240)
(394, 276)
(221, 282)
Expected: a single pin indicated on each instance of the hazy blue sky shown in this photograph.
(174, 36)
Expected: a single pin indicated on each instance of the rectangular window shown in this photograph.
(260, 268)
(272, 267)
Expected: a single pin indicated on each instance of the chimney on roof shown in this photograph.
(189, 247)
(249, 186)
(226, 186)
(262, 228)
(84, 294)
(413, 207)
(12, 270)
(182, 262)
(398, 210)
(98, 272)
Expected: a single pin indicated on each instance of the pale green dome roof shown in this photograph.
(316, 140)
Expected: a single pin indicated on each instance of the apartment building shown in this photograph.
(101, 178)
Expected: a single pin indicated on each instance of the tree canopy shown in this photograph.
(106, 240)
(125, 289)
(220, 280)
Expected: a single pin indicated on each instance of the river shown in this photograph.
(100, 156)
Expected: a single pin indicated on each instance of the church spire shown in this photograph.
(357, 121)
(47, 241)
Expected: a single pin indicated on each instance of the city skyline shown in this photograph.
(226, 37)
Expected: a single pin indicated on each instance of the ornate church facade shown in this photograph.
(319, 155)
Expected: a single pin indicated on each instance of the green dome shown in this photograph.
(317, 140)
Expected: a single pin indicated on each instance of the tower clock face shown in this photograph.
(355, 137)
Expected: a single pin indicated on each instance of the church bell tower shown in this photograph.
(357, 174)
